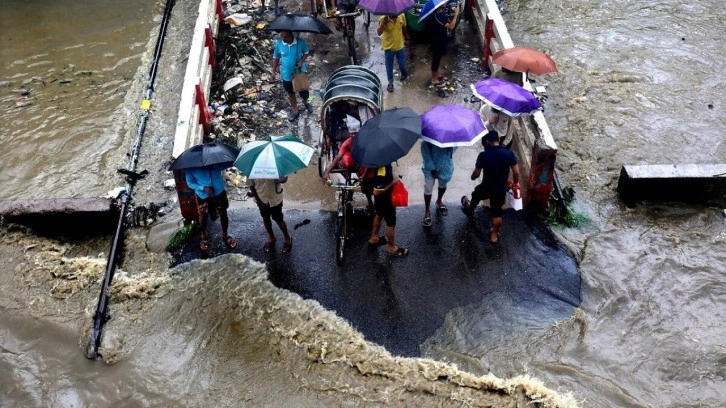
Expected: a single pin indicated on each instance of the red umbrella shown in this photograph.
(527, 60)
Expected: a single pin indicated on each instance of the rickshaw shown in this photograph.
(350, 90)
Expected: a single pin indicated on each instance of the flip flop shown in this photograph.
(230, 242)
(268, 246)
(427, 221)
(442, 209)
(381, 241)
(466, 206)
(204, 245)
(399, 252)
(287, 246)
(390, 88)
(490, 237)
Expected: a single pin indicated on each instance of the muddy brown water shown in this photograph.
(635, 85)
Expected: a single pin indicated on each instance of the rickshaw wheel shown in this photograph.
(323, 159)
(367, 19)
(340, 240)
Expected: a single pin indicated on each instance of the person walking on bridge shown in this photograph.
(495, 162)
(392, 31)
(437, 164)
(289, 56)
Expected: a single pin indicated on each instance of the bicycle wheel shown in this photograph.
(351, 50)
(340, 233)
(323, 159)
(367, 19)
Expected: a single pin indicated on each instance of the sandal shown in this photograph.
(490, 237)
(390, 88)
(399, 252)
(268, 246)
(381, 241)
(230, 242)
(441, 209)
(427, 222)
(466, 206)
(204, 245)
(287, 246)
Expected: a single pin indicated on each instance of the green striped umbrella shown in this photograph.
(273, 157)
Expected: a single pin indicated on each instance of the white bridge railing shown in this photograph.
(193, 118)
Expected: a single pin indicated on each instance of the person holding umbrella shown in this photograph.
(382, 140)
(203, 165)
(392, 30)
(289, 55)
(496, 163)
(268, 196)
(498, 121)
(212, 202)
(443, 129)
(441, 26)
(266, 163)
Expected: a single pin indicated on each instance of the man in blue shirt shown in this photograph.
(496, 162)
(211, 196)
(289, 55)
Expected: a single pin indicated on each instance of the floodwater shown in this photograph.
(638, 84)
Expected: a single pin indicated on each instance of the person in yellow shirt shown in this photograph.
(392, 30)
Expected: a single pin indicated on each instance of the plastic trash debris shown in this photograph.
(231, 83)
(115, 193)
(238, 19)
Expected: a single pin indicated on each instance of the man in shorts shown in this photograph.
(211, 196)
(289, 55)
(385, 211)
(437, 164)
(268, 196)
(496, 163)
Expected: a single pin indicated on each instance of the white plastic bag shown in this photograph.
(514, 198)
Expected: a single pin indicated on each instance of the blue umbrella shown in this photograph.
(506, 96)
(452, 125)
(386, 7)
(430, 7)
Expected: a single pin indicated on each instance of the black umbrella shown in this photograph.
(207, 154)
(299, 22)
(386, 138)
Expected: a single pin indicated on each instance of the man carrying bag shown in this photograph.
(289, 56)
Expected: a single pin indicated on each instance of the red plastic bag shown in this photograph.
(399, 195)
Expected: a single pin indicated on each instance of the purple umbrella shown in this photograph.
(386, 7)
(506, 96)
(451, 125)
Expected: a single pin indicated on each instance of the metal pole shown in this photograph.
(101, 315)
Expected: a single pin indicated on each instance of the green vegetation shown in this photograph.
(180, 237)
(566, 217)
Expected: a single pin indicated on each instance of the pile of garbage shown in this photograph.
(244, 101)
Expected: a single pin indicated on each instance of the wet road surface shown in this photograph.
(400, 302)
